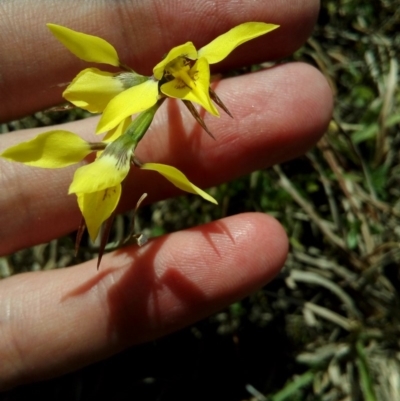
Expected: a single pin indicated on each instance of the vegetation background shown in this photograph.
(328, 327)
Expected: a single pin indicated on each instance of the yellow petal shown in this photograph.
(105, 172)
(53, 149)
(187, 50)
(178, 179)
(131, 101)
(93, 89)
(86, 47)
(220, 47)
(116, 132)
(97, 207)
(194, 90)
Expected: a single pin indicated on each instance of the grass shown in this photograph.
(328, 327)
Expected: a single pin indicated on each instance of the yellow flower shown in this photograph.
(184, 73)
(191, 81)
(187, 73)
(98, 185)
(58, 149)
(92, 89)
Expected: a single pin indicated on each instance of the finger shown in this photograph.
(60, 320)
(142, 32)
(279, 114)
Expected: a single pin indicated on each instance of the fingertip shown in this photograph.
(268, 241)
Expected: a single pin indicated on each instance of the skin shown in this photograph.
(56, 321)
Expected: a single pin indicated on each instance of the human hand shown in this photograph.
(56, 321)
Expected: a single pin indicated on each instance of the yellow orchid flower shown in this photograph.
(58, 149)
(191, 82)
(98, 185)
(92, 89)
(184, 74)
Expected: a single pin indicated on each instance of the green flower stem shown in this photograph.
(129, 140)
(141, 124)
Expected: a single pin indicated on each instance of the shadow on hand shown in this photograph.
(148, 290)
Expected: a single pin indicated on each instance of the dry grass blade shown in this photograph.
(307, 207)
(347, 188)
(329, 193)
(388, 102)
(314, 278)
(333, 317)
